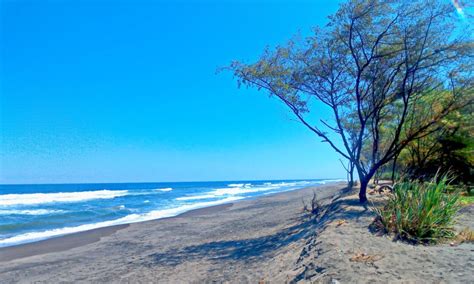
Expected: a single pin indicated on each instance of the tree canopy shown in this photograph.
(378, 66)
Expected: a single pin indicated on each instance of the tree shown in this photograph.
(372, 65)
(350, 172)
(448, 150)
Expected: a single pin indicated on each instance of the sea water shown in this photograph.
(31, 213)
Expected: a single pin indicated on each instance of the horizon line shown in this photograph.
(81, 183)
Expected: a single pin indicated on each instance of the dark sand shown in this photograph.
(264, 239)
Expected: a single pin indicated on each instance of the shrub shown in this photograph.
(420, 212)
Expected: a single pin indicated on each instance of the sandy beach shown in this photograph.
(237, 142)
(265, 239)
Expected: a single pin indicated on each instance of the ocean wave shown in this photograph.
(235, 185)
(239, 185)
(286, 184)
(40, 198)
(244, 188)
(219, 192)
(133, 218)
(30, 212)
(195, 197)
(241, 188)
(163, 189)
(238, 190)
(324, 181)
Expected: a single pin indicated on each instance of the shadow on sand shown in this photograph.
(255, 249)
(252, 249)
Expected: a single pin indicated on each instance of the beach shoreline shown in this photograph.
(73, 240)
(264, 239)
(78, 208)
(77, 239)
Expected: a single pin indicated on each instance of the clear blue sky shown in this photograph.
(122, 91)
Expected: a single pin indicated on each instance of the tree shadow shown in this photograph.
(251, 249)
(255, 249)
(343, 208)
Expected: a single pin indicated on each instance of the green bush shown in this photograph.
(420, 212)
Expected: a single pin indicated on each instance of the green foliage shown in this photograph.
(466, 200)
(449, 149)
(386, 174)
(390, 72)
(420, 212)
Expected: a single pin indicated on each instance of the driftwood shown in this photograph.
(314, 207)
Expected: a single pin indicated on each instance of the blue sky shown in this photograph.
(123, 91)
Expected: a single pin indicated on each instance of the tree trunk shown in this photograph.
(350, 174)
(364, 182)
(394, 166)
(363, 189)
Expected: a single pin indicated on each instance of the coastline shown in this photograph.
(73, 240)
(130, 203)
(266, 239)
(78, 239)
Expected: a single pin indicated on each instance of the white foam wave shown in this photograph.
(239, 185)
(239, 190)
(196, 197)
(324, 181)
(40, 198)
(163, 189)
(301, 183)
(133, 218)
(30, 212)
(284, 184)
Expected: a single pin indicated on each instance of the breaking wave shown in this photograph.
(133, 218)
(40, 198)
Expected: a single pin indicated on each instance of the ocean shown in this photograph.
(31, 213)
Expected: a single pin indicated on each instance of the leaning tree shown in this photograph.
(372, 65)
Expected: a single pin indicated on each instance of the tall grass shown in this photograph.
(420, 212)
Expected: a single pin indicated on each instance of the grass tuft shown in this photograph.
(420, 212)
